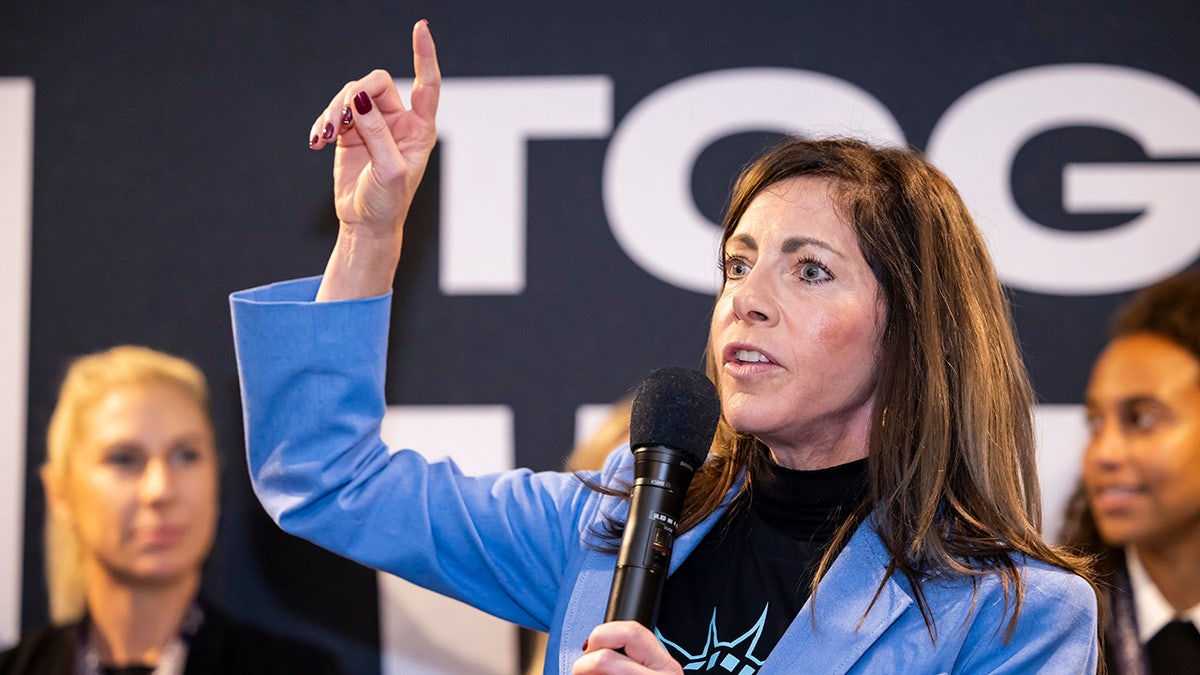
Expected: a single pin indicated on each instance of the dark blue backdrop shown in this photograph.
(170, 169)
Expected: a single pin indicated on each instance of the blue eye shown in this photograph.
(734, 268)
(814, 271)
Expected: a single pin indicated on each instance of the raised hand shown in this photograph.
(382, 150)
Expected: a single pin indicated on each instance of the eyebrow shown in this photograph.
(1128, 401)
(188, 437)
(1142, 400)
(790, 245)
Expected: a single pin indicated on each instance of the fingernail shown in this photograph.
(347, 118)
(362, 103)
(313, 142)
(585, 645)
(328, 131)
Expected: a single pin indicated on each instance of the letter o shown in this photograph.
(648, 168)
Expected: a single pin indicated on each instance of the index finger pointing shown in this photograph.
(427, 84)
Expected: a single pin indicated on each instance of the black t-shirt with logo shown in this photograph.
(728, 604)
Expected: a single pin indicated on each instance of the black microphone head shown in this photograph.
(677, 408)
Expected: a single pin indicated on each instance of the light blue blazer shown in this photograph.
(520, 545)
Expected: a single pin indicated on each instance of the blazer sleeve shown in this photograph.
(312, 379)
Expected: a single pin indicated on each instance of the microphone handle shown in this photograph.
(661, 479)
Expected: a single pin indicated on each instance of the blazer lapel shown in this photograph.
(831, 625)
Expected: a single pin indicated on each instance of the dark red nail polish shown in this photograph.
(585, 645)
(328, 131)
(314, 140)
(362, 103)
(347, 118)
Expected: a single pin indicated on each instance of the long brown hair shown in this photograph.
(952, 470)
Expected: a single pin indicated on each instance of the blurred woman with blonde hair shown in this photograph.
(131, 481)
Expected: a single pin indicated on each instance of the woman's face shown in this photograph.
(797, 328)
(142, 488)
(1142, 465)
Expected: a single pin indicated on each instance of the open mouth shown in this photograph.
(744, 354)
(750, 356)
(1115, 497)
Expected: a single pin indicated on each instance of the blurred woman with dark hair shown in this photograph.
(1138, 505)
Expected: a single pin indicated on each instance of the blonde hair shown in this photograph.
(88, 381)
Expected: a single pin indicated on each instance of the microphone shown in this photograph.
(671, 426)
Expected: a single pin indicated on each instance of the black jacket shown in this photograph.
(220, 645)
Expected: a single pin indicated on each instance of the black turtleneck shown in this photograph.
(735, 595)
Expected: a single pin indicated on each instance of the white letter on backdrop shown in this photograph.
(980, 134)
(16, 226)
(483, 124)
